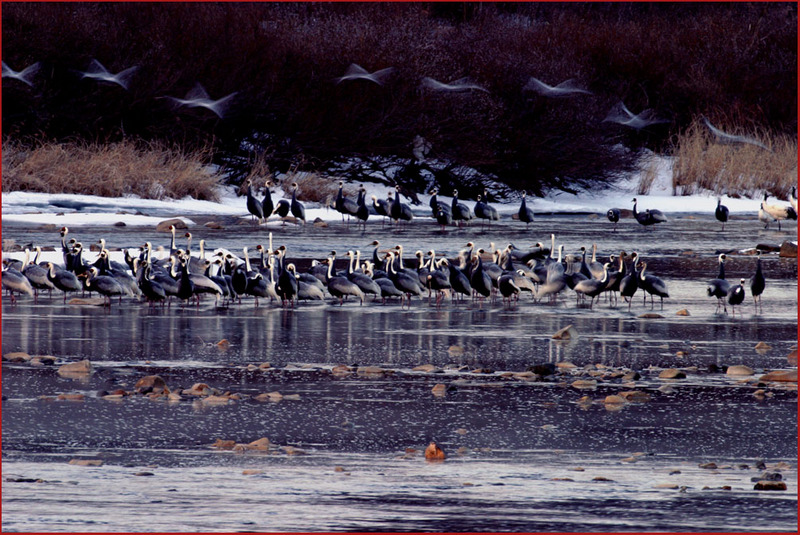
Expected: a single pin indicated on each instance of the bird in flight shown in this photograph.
(96, 71)
(725, 138)
(357, 72)
(622, 115)
(564, 89)
(24, 76)
(197, 97)
(458, 86)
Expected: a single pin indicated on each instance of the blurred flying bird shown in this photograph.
(564, 89)
(458, 86)
(24, 76)
(198, 98)
(729, 139)
(97, 72)
(421, 148)
(622, 115)
(357, 72)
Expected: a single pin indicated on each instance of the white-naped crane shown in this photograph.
(613, 216)
(461, 212)
(719, 287)
(343, 205)
(721, 213)
(400, 211)
(525, 214)
(757, 284)
(648, 217)
(298, 210)
(652, 285)
(736, 296)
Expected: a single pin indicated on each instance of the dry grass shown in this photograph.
(648, 175)
(315, 187)
(735, 170)
(152, 171)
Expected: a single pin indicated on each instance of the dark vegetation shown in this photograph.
(735, 63)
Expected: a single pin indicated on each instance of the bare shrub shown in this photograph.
(151, 171)
(315, 187)
(739, 169)
(647, 175)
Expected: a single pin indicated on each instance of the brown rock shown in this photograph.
(370, 370)
(671, 373)
(252, 472)
(86, 462)
(71, 397)
(780, 376)
(439, 390)
(262, 444)
(215, 225)
(671, 486)
(428, 368)
(614, 400)
(264, 366)
(567, 333)
(584, 384)
(792, 357)
(199, 389)
(224, 444)
(151, 384)
(319, 223)
(163, 226)
(601, 478)
(43, 360)
(631, 376)
(635, 396)
(434, 452)
(338, 469)
(341, 370)
(682, 312)
(73, 369)
(650, 316)
(739, 370)
(708, 466)
(16, 356)
(788, 250)
(291, 450)
(770, 485)
(461, 431)
(216, 400)
(566, 365)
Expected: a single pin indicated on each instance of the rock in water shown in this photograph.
(434, 452)
(567, 333)
(151, 384)
(75, 369)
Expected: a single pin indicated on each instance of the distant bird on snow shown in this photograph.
(357, 72)
(622, 115)
(458, 86)
(564, 89)
(728, 139)
(198, 98)
(96, 71)
(25, 75)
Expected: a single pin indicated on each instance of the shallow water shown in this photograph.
(514, 446)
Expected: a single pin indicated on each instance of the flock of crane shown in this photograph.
(478, 274)
(459, 213)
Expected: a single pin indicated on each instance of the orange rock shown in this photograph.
(439, 390)
(224, 444)
(434, 452)
(783, 376)
(151, 383)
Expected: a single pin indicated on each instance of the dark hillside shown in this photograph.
(735, 63)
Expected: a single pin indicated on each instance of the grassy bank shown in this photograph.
(151, 171)
(700, 162)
